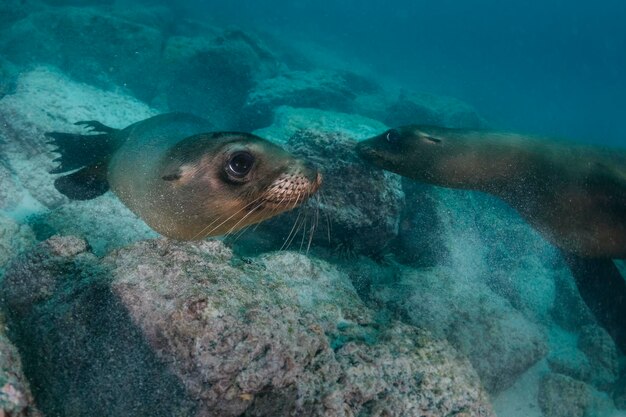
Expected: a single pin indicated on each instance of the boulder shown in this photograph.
(619, 393)
(14, 10)
(211, 76)
(104, 222)
(88, 44)
(170, 328)
(320, 89)
(570, 362)
(16, 399)
(428, 109)
(8, 77)
(602, 354)
(14, 239)
(47, 100)
(420, 240)
(562, 396)
(499, 341)
(10, 190)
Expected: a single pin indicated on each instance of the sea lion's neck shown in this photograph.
(492, 166)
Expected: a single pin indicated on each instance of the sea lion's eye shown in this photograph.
(392, 136)
(240, 164)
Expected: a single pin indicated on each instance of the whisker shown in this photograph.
(230, 217)
(291, 231)
(297, 229)
(243, 218)
(326, 215)
(303, 232)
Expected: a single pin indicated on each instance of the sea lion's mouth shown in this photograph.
(367, 152)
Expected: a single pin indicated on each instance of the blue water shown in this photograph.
(551, 67)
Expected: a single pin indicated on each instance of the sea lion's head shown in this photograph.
(228, 180)
(412, 151)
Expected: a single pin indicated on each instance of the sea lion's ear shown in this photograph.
(432, 139)
(172, 176)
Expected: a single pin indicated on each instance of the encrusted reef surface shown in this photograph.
(165, 328)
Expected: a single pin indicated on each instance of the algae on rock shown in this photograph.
(167, 328)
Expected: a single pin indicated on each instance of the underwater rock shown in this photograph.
(14, 10)
(320, 89)
(90, 45)
(10, 191)
(568, 301)
(104, 222)
(171, 328)
(359, 208)
(420, 239)
(572, 363)
(8, 77)
(602, 353)
(484, 240)
(289, 121)
(428, 109)
(14, 239)
(562, 396)
(46, 100)
(80, 352)
(619, 393)
(499, 341)
(211, 76)
(16, 399)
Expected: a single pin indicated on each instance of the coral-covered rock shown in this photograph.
(16, 399)
(619, 393)
(572, 363)
(8, 77)
(189, 329)
(562, 396)
(89, 45)
(14, 238)
(421, 241)
(212, 75)
(602, 353)
(46, 100)
(10, 191)
(104, 222)
(499, 341)
(320, 89)
(14, 10)
(427, 109)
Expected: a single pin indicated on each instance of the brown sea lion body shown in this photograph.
(183, 180)
(575, 195)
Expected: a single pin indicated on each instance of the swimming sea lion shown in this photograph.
(183, 180)
(574, 195)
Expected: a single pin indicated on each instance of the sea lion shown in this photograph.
(183, 180)
(573, 194)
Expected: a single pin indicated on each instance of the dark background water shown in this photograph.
(553, 67)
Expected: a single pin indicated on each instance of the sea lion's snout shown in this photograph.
(365, 150)
(373, 150)
(293, 187)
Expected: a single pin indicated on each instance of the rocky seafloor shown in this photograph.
(412, 300)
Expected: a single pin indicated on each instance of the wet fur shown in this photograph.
(172, 175)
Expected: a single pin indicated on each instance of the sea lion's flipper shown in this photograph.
(603, 289)
(84, 184)
(89, 154)
(77, 151)
(95, 126)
